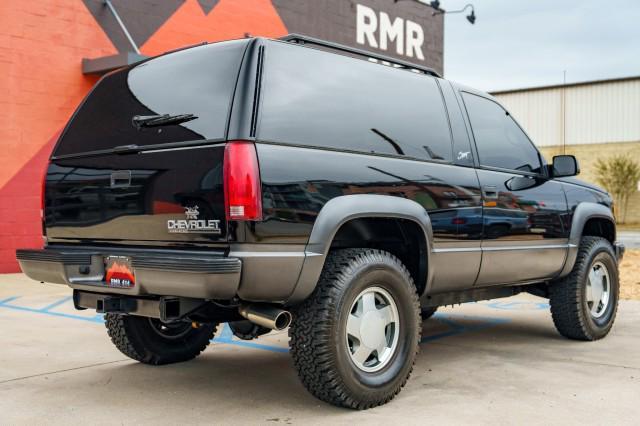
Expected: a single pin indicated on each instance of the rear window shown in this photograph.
(198, 81)
(321, 99)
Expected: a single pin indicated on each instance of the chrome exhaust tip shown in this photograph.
(266, 316)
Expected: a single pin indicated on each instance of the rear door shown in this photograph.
(141, 160)
(523, 236)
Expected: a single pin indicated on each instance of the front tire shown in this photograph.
(150, 341)
(355, 339)
(585, 302)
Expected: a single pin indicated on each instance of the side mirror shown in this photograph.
(565, 165)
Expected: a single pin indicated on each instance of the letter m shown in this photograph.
(391, 32)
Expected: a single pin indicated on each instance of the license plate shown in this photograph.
(118, 272)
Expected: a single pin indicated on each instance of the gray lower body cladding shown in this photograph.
(256, 273)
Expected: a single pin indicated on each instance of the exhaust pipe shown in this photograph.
(266, 316)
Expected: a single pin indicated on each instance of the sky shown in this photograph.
(525, 43)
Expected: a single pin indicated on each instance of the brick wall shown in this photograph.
(42, 43)
(39, 89)
(41, 47)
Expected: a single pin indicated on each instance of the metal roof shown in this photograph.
(559, 86)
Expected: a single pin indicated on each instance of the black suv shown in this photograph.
(303, 184)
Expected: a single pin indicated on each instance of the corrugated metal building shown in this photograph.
(591, 120)
(580, 113)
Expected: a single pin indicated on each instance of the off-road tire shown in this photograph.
(135, 337)
(427, 313)
(317, 334)
(567, 297)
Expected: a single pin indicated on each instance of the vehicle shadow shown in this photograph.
(239, 380)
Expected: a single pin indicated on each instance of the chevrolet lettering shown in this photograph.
(193, 224)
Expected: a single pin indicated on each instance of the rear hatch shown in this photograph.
(141, 161)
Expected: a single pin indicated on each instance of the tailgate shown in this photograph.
(164, 196)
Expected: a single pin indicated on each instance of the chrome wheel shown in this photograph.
(598, 289)
(372, 329)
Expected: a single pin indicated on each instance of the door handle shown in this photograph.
(490, 192)
(121, 179)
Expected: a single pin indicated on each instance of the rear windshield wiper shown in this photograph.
(140, 121)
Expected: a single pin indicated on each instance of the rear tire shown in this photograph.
(364, 299)
(149, 341)
(585, 302)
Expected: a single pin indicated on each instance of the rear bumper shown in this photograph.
(163, 273)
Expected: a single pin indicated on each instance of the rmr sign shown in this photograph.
(405, 30)
(379, 31)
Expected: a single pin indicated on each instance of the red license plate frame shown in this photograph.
(118, 272)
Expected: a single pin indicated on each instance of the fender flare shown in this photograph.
(340, 210)
(583, 212)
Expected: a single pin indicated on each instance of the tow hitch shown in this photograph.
(165, 308)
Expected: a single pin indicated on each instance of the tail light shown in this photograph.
(242, 192)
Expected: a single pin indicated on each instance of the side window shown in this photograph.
(500, 141)
(322, 99)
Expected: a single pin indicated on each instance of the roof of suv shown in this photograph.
(337, 48)
(364, 54)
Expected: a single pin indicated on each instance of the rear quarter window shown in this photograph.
(321, 99)
(198, 81)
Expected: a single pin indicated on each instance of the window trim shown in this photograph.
(352, 151)
(543, 168)
(448, 115)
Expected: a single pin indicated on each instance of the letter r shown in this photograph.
(366, 25)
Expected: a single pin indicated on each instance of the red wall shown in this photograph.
(41, 47)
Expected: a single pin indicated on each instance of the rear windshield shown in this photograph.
(198, 81)
(321, 99)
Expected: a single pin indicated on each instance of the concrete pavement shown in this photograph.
(631, 239)
(497, 362)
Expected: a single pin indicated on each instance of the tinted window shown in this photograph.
(198, 81)
(322, 99)
(500, 141)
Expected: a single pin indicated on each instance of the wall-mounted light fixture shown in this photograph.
(435, 5)
(471, 17)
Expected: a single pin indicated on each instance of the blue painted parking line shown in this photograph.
(47, 310)
(457, 328)
(453, 321)
(57, 303)
(519, 306)
(8, 299)
(226, 336)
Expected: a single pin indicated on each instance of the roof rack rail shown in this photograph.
(303, 39)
